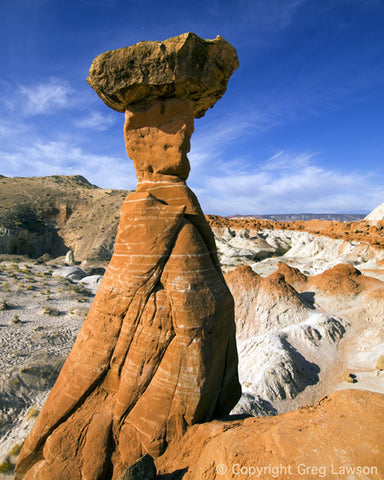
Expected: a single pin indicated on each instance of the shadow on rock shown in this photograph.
(176, 475)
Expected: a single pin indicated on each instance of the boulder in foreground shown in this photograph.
(342, 437)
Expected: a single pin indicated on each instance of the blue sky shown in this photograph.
(300, 128)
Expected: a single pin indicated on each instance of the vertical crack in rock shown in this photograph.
(157, 351)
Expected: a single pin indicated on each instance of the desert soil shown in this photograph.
(40, 317)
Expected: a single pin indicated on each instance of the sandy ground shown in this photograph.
(40, 317)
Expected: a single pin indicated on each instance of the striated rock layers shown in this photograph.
(157, 351)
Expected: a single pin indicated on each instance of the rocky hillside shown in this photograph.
(53, 214)
(40, 215)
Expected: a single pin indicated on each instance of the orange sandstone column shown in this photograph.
(157, 351)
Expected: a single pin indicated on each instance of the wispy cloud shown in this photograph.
(288, 183)
(60, 158)
(284, 183)
(255, 16)
(44, 98)
(212, 138)
(96, 121)
(275, 14)
(6, 131)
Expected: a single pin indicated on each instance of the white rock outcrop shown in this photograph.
(376, 215)
(314, 253)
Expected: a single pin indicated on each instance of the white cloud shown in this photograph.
(61, 158)
(293, 184)
(96, 121)
(44, 98)
(213, 136)
(284, 183)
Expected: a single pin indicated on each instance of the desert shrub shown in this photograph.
(44, 258)
(80, 290)
(4, 305)
(79, 311)
(16, 449)
(348, 377)
(52, 311)
(6, 466)
(33, 412)
(380, 363)
(16, 320)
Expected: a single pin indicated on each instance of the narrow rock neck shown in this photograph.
(157, 138)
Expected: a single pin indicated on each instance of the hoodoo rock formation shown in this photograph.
(157, 352)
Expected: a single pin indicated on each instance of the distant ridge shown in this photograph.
(56, 213)
(53, 214)
(293, 217)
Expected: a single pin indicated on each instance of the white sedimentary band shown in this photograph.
(121, 244)
(165, 182)
(170, 185)
(182, 274)
(137, 200)
(131, 243)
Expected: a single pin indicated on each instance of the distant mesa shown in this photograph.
(304, 217)
(187, 66)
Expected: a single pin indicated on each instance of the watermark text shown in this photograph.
(276, 471)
